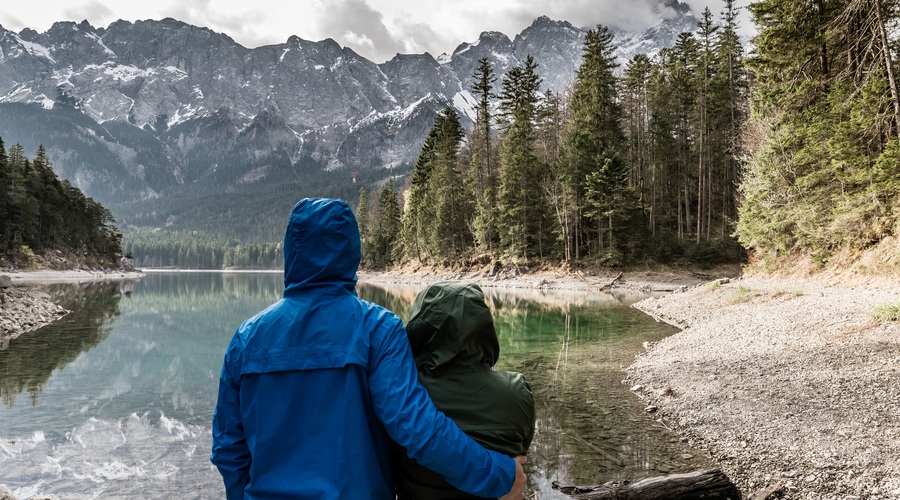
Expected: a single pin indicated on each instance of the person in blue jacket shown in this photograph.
(313, 386)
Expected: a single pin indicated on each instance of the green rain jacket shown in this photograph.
(455, 346)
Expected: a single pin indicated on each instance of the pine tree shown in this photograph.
(362, 218)
(595, 128)
(733, 87)
(449, 230)
(386, 233)
(520, 200)
(483, 165)
(418, 212)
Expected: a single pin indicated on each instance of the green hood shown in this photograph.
(450, 326)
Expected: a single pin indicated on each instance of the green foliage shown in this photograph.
(438, 215)
(886, 312)
(482, 177)
(823, 177)
(742, 294)
(385, 249)
(195, 250)
(41, 214)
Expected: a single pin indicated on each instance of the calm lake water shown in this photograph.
(116, 399)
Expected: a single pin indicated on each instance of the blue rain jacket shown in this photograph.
(312, 386)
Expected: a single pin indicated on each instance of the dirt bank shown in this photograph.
(783, 380)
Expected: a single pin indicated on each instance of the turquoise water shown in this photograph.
(115, 400)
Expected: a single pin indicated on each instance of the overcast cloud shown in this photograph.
(376, 29)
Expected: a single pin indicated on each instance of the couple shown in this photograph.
(320, 389)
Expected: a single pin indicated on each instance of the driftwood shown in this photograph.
(611, 283)
(707, 484)
(772, 491)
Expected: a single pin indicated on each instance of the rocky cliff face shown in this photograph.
(137, 109)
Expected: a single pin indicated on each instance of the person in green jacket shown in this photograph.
(451, 332)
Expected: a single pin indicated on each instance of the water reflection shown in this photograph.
(121, 392)
(573, 348)
(30, 360)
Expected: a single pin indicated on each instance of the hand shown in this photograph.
(518, 488)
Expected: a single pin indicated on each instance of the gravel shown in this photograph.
(791, 381)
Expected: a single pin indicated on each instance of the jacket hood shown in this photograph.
(321, 245)
(451, 326)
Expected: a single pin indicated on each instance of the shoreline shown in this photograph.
(24, 308)
(784, 382)
(49, 276)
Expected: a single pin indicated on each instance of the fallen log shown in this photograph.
(707, 484)
(611, 283)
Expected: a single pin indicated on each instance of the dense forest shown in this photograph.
(823, 139)
(701, 153)
(630, 164)
(43, 218)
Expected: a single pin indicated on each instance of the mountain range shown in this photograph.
(144, 111)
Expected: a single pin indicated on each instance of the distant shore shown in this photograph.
(49, 276)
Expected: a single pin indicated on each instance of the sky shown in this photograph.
(376, 29)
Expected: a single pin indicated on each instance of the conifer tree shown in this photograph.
(386, 233)
(520, 201)
(418, 212)
(823, 174)
(449, 230)
(362, 218)
(595, 127)
(483, 154)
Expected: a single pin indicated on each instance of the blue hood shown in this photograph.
(321, 245)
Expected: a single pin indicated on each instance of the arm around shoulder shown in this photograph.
(412, 420)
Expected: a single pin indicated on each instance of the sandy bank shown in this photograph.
(783, 380)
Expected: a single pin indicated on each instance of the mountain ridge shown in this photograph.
(175, 105)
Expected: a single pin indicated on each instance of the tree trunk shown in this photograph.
(707, 484)
(889, 65)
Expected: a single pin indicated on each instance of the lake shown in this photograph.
(116, 399)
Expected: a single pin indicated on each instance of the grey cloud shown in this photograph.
(355, 24)
(248, 27)
(94, 11)
(11, 22)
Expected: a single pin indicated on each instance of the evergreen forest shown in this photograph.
(43, 218)
(630, 164)
(702, 153)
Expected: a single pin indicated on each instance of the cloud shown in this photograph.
(95, 12)
(355, 24)
(248, 26)
(11, 22)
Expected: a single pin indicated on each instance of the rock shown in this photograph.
(637, 388)
(5, 494)
(651, 409)
(5, 281)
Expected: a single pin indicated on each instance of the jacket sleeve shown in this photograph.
(229, 444)
(432, 439)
